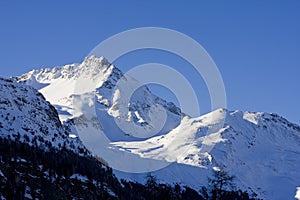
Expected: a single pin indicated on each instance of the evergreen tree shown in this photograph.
(219, 182)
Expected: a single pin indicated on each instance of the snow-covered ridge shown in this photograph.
(91, 64)
(261, 150)
(26, 116)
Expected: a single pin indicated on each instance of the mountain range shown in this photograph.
(261, 151)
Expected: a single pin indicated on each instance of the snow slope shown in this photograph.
(261, 150)
(26, 116)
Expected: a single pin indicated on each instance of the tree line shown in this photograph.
(29, 171)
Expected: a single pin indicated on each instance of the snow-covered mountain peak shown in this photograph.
(62, 86)
(96, 61)
(91, 66)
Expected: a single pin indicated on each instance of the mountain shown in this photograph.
(260, 150)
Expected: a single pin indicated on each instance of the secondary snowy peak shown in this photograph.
(246, 130)
(261, 145)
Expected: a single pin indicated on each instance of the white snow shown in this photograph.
(216, 168)
(27, 193)
(110, 192)
(21, 160)
(2, 197)
(297, 196)
(79, 177)
(251, 117)
(72, 136)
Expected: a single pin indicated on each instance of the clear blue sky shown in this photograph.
(255, 44)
